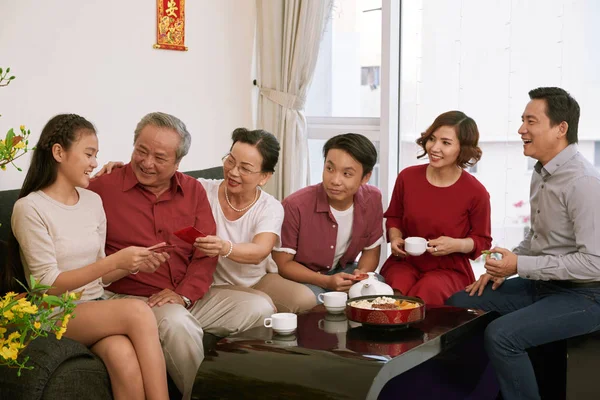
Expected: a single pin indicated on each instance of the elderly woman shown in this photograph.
(444, 204)
(248, 221)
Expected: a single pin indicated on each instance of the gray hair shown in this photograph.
(163, 120)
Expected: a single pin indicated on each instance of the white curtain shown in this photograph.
(289, 33)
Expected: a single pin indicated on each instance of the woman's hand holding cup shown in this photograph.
(397, 245)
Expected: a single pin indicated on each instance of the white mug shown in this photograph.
(333, 299)
(284, 323)
(415, 246)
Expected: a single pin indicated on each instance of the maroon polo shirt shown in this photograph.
(135, 217)
(310, 229)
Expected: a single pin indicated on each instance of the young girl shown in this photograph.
(61, 229)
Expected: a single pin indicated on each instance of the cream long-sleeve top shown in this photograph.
(54, 237)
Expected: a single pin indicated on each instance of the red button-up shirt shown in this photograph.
(135, 217)
(310, 229)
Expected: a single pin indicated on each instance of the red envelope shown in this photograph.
(162, 248)
(189, 234)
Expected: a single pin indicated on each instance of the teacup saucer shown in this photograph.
(336, 310)
(284, 331)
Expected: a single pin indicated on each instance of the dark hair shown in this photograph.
(63, 129)
(466, 132)
(560, 106)
(357, 145)
(266, 144)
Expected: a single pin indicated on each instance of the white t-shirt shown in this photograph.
(266, 215)
(54, 237)
(344, 234)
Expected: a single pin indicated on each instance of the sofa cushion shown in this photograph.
(68, 362)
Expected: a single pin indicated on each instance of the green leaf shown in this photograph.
(52, 302)
(33, 282)
(9, 136)
(11, 78)
(0, 71)
(7, 70)
(21, 283)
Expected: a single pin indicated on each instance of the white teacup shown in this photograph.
(415, 246)
(282, 323)
(334, 302)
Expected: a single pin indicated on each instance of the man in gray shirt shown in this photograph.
(557, 292)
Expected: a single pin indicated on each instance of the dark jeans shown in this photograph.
(532, 313)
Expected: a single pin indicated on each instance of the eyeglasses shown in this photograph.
(229, 162)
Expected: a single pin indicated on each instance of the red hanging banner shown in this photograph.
(170, 25)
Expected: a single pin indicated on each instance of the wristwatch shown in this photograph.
(188, 302)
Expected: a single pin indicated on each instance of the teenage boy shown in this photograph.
(327, 225)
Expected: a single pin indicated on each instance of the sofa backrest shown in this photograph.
(9, 197)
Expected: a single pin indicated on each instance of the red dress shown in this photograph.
(420, 209)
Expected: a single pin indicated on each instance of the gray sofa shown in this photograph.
(64, 369)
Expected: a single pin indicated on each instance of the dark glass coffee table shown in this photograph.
(330, 357)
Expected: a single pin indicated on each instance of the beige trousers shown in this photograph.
(224, 310)
(287, 295)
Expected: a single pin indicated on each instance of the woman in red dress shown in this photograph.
(444, 204)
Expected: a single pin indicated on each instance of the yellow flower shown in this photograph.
(37, 325)
(3, 167)
(22, 127)
(19, 145)
(8, 315)
(9, 353)
(15, 345)
(2, 330)
(60, 333)
(13, 336)
(10, 295)
(65, 320)
(73, 296)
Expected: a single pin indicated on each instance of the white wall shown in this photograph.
(96, 59)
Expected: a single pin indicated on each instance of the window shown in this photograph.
(347, 82)
(346, 89)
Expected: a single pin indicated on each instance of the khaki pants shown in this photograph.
(287, 295)
(224, 310)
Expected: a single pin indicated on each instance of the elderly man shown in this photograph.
(557, 292)
(145, 202)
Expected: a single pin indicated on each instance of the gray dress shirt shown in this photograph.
(563, 243)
